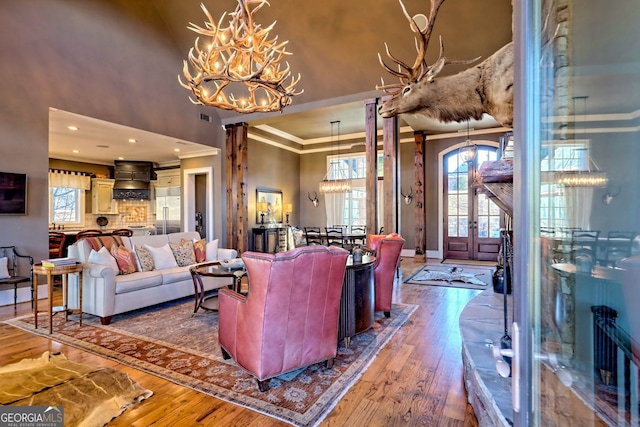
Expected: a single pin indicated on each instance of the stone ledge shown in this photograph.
(481, 326)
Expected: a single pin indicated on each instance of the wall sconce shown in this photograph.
(262, 207)
(608, 197)
(288, 208)
(314, 200)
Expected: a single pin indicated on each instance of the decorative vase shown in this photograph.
(357, 255)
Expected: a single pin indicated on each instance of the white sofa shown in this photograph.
(106, 293)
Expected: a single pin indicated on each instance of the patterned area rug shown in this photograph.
(457, 276)
(83, 394)
(167, 341)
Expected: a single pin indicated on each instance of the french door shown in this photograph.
(472, 221)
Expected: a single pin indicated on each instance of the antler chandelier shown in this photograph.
(240, 69)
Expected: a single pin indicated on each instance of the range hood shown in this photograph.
(132, 179)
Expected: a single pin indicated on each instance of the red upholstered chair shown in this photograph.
(387, 250)
(289, 319)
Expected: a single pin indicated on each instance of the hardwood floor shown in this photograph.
(416, 380)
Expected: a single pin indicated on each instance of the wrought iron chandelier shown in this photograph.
(468, 152)
(240, 67)
(335, 184)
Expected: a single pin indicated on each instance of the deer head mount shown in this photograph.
(408, 198)
(484, 88)
(314, 200)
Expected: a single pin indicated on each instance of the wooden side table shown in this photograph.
(357, 301)
(50, 272)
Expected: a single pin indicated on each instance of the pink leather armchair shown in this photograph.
(387, 252)
(289, 319)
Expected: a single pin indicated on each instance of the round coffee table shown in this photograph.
(212, 269)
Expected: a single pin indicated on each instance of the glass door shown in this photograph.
(472, 221)
(577, 155)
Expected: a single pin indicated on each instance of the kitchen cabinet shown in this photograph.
(102, 201)
(168, 178)
(132, 171)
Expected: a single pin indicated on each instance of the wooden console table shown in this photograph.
(260, 239)
(50, 272)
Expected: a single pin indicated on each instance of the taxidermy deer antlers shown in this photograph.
(314, 200)
(408, 198)
(484, 88)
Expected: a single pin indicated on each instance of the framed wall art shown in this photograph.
(273, 208)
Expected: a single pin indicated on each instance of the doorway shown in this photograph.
(198, 182)
(472, 221)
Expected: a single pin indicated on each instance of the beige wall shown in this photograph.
(272, 168)
(59, 54)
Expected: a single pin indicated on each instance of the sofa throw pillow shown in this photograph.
(162, 257)
(145, 259)
(4, 270)
(183, 253)
(200, 250)
(103, 257)
(125, 259)
(212, 250)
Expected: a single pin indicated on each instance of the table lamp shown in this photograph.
(262, 207)
(288, 208)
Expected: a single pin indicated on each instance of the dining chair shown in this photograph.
(88, 233)
(56, 244)
(122, 232)
(359, 230)
(335, 237)
(584, 242)
(313, 236)
(618, 246)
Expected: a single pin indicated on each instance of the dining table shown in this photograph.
(347, 238)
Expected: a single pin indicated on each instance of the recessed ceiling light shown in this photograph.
(132, 140)
(76, 151)
(120, 158)
(177, 150)
(72, 127)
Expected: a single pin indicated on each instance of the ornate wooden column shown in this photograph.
(237, 205)
(390, 140)
(371, 157)
(419, 198)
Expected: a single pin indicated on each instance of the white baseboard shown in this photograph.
(411, 253)
(24, 294)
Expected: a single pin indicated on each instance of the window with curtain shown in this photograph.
(67, 198)
(347, 208)
(559, 207)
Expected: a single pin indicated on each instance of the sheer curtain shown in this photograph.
(579, 201)
(334, 206)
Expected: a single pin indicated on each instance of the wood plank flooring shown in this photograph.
(416, 380)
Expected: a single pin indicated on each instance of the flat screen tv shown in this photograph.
(13, 193)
